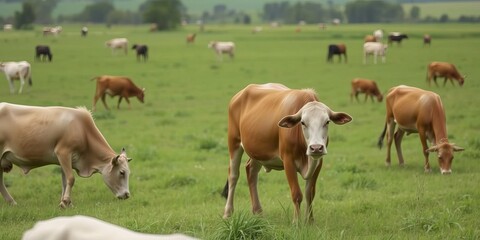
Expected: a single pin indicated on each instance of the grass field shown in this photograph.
(177, 139)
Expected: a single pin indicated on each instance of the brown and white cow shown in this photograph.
(369, 38)
(116, 86)
(280, 129)
(32, 137)
(443, 69)
(427, 40)
(369, 87)
(85, 227)
(17, 70)
(418, 111)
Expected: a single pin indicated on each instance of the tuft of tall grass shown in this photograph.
(243, 226)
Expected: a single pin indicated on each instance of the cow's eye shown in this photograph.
(303, 123)
(327, 122)
(122, 173)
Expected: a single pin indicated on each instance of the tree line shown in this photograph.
(168, 14)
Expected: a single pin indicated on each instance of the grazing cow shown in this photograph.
(84, 31)
(446, 70)
(257, 29)
(369, 38)
(280, 129)
(375, 49)
(17, 70)
(366, 86)
(337, 49)
(85, 227)
(118, 43)
(427, 40)
(7, 27)
(52, 31)
(191, 38)
(116, 86)
(378, 34)
(142, 51)
(418, 111)
(222, 48)
(396, 37)
(32, 137)
(42, 52)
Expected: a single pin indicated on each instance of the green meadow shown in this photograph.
(177, 138)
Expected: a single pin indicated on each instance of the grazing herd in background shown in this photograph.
(291, 136)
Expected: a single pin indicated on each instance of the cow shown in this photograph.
(86, 227)
(52, 31)
(369, 38)
(446, 70)
(191, 38)
(427, 40)
(17, 70)
(396, 37)
(116, 86)
(378, 34)
(280, 129)
(42, 52)
(415, 110)
(142, 51)
(221, 48)
(369, 87)
(118, 43)
(7, 27)
(84, 31)
(337, 49)
(32, 137)
(375, 49)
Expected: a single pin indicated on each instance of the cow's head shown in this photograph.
(445, 155)
(212, 44)
(461, 80)
(141, 95)
(315, 117)
(116, 175)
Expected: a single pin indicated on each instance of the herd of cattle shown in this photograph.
(292, 135)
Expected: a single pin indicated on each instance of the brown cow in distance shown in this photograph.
(280, 129)
(369, 38)
(116, 86)
(418, 111)
(369, 87)
(446, 70)
(191, 38)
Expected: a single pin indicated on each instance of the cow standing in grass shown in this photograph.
(118, 44)
(369, 87)
(142, 52)
(337, 49)
(446, 70)
(396, 37)
(376, 49)
(116, 86)
(221, 48)
(42, 52)
(17, 70)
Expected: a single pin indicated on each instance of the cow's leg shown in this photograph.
(445, 81)
(366, 97)
(10, 83)
(295, 191)
(103, 101)
(22, 82)
(398, 145)
(233, 174)
(120, 100)
(95, 99)
(68, 179)
(310, 192)
(128, 102)
(8, 198)
(252, 168)
(435, 80)
(375, 58)
(390, 131)
(423, 140)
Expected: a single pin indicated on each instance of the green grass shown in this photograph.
(177, 139)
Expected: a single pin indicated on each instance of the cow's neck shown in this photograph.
(97, 157)
(439, 126)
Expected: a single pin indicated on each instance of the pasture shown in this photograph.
(177, 139)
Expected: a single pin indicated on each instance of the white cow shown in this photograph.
(52, 31)
(118, 43)
(17, 70)
(88, 228)
(222, 48)
(378, 34)
(375, 49)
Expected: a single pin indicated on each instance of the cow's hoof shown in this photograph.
(65, 204)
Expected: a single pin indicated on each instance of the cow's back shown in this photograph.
(255, 111)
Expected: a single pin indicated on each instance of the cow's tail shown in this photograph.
(94, 78)
(225, 190)
(382, 136)
(29, 74)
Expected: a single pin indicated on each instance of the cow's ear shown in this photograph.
(457, 148)
(290, 121)
(129, 159)
(432, 149)
(143, 89)
(115, 160)
(340, 118)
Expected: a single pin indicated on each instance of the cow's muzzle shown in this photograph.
(123, 196)
(316, 149)
(446, 171)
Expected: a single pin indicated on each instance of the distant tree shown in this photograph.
(373, 11)
(246, 19)
(167, 14)
(444, 18)
(43, 10)
(25, 18)
(415, 13)
(96, 12)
